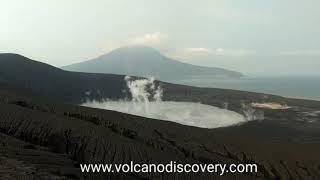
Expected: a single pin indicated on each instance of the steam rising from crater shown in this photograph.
(147, 101)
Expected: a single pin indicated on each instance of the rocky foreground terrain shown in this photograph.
(44, 134)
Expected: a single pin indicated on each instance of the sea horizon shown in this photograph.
(297, 87)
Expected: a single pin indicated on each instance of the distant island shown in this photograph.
(145, 62)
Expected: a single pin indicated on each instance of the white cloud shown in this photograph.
(194, 53)
(198, 50)
(161, 42)
(301, 53)
(156, 40)
(149, 39)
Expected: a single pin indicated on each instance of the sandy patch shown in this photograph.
(270, 105)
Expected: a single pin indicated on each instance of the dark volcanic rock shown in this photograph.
(55, 84)
(82, 134)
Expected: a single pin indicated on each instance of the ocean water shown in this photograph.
(295, 87)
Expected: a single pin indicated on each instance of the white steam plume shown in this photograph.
(146, 101)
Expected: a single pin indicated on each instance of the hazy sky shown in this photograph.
(274, 37)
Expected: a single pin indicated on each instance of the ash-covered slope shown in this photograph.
(41, 140)
(41, 79)
(44, 80)
(55, 136)
(144, 62)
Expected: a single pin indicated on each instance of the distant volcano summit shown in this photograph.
(145, 62)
